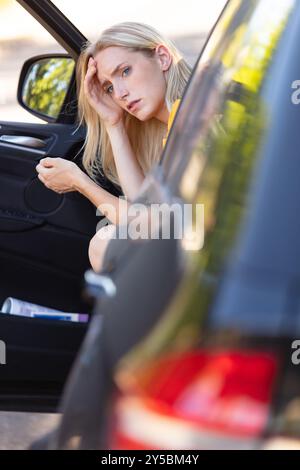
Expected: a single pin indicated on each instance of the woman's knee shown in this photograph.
(98, 245)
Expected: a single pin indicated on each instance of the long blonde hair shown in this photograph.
(145, 136)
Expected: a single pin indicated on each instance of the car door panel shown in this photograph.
(41, 367)
(36, 223)
(44, 240)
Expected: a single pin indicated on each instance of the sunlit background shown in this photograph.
(186, 22)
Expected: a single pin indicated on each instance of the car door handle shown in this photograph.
(24, 140)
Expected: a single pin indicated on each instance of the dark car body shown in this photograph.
(195, 349)
(220, 369)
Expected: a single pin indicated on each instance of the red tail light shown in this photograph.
(197, 399)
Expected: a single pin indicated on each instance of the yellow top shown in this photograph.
(171, 118)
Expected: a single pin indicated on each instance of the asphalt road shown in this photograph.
(19, 430)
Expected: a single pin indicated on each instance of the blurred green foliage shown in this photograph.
(229, 148)
(46, 85)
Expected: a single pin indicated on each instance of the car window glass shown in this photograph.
(221, 128)
(21, 37)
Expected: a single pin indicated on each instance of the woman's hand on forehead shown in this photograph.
(101, 102)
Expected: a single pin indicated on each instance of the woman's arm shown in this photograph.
(114, 208)
(129, 171)
(63, 176)
(130, 174)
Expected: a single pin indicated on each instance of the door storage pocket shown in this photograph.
(38, 354)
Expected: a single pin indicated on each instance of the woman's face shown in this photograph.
(131, 76)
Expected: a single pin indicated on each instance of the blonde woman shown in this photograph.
(129, 82)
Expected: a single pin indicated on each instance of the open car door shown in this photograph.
(44, 238)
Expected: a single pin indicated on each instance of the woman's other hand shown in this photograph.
(111, 113)
(60, 175)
